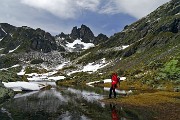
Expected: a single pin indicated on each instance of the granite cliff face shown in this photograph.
(83, 33)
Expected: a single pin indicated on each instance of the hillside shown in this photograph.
(146, 51)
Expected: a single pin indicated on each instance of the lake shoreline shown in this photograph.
(158, 105)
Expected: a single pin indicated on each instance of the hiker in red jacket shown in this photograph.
(115, 80)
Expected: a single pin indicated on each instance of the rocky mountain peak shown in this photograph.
(83, 33)
(24, 39)
(100, 38)
(79, 38)
(75, 33)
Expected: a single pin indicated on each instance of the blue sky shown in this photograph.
(56, 16)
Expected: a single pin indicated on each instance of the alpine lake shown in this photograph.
(67, 103)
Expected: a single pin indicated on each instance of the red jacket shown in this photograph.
(114, 79)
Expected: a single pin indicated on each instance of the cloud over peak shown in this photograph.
(135, 8)
(64, 9)
(71, 9)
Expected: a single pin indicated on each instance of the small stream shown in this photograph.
(63, 103)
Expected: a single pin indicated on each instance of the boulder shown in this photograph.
(5, 93)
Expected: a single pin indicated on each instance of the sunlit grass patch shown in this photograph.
(149, 99)
(65, 82)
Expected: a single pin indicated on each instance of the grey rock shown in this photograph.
(5, 93)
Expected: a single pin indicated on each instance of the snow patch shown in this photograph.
(148, 21)
(10, 67)
(10, 51)
(125, 46)
(56, 78)
(3, 30)
(86, 45)
(90, 83)
(20, 86)
(92, 67)
(2, 55)
(1, 39)
(44, 77)
(105, 81)
(121, 47)
(158, 19)
(1, 48)
(122, 78)
(61, 66)
(178, 13)
(34, 78)
(22, 72)
(17, 65)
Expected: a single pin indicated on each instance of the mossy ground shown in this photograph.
(150, 104)
(161, 105)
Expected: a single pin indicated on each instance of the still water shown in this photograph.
(63, 103)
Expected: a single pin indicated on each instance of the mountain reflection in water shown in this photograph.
(63, 104)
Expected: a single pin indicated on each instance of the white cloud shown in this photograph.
(91, 5)
(135, 8)
(71, 9)
(65, 9)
